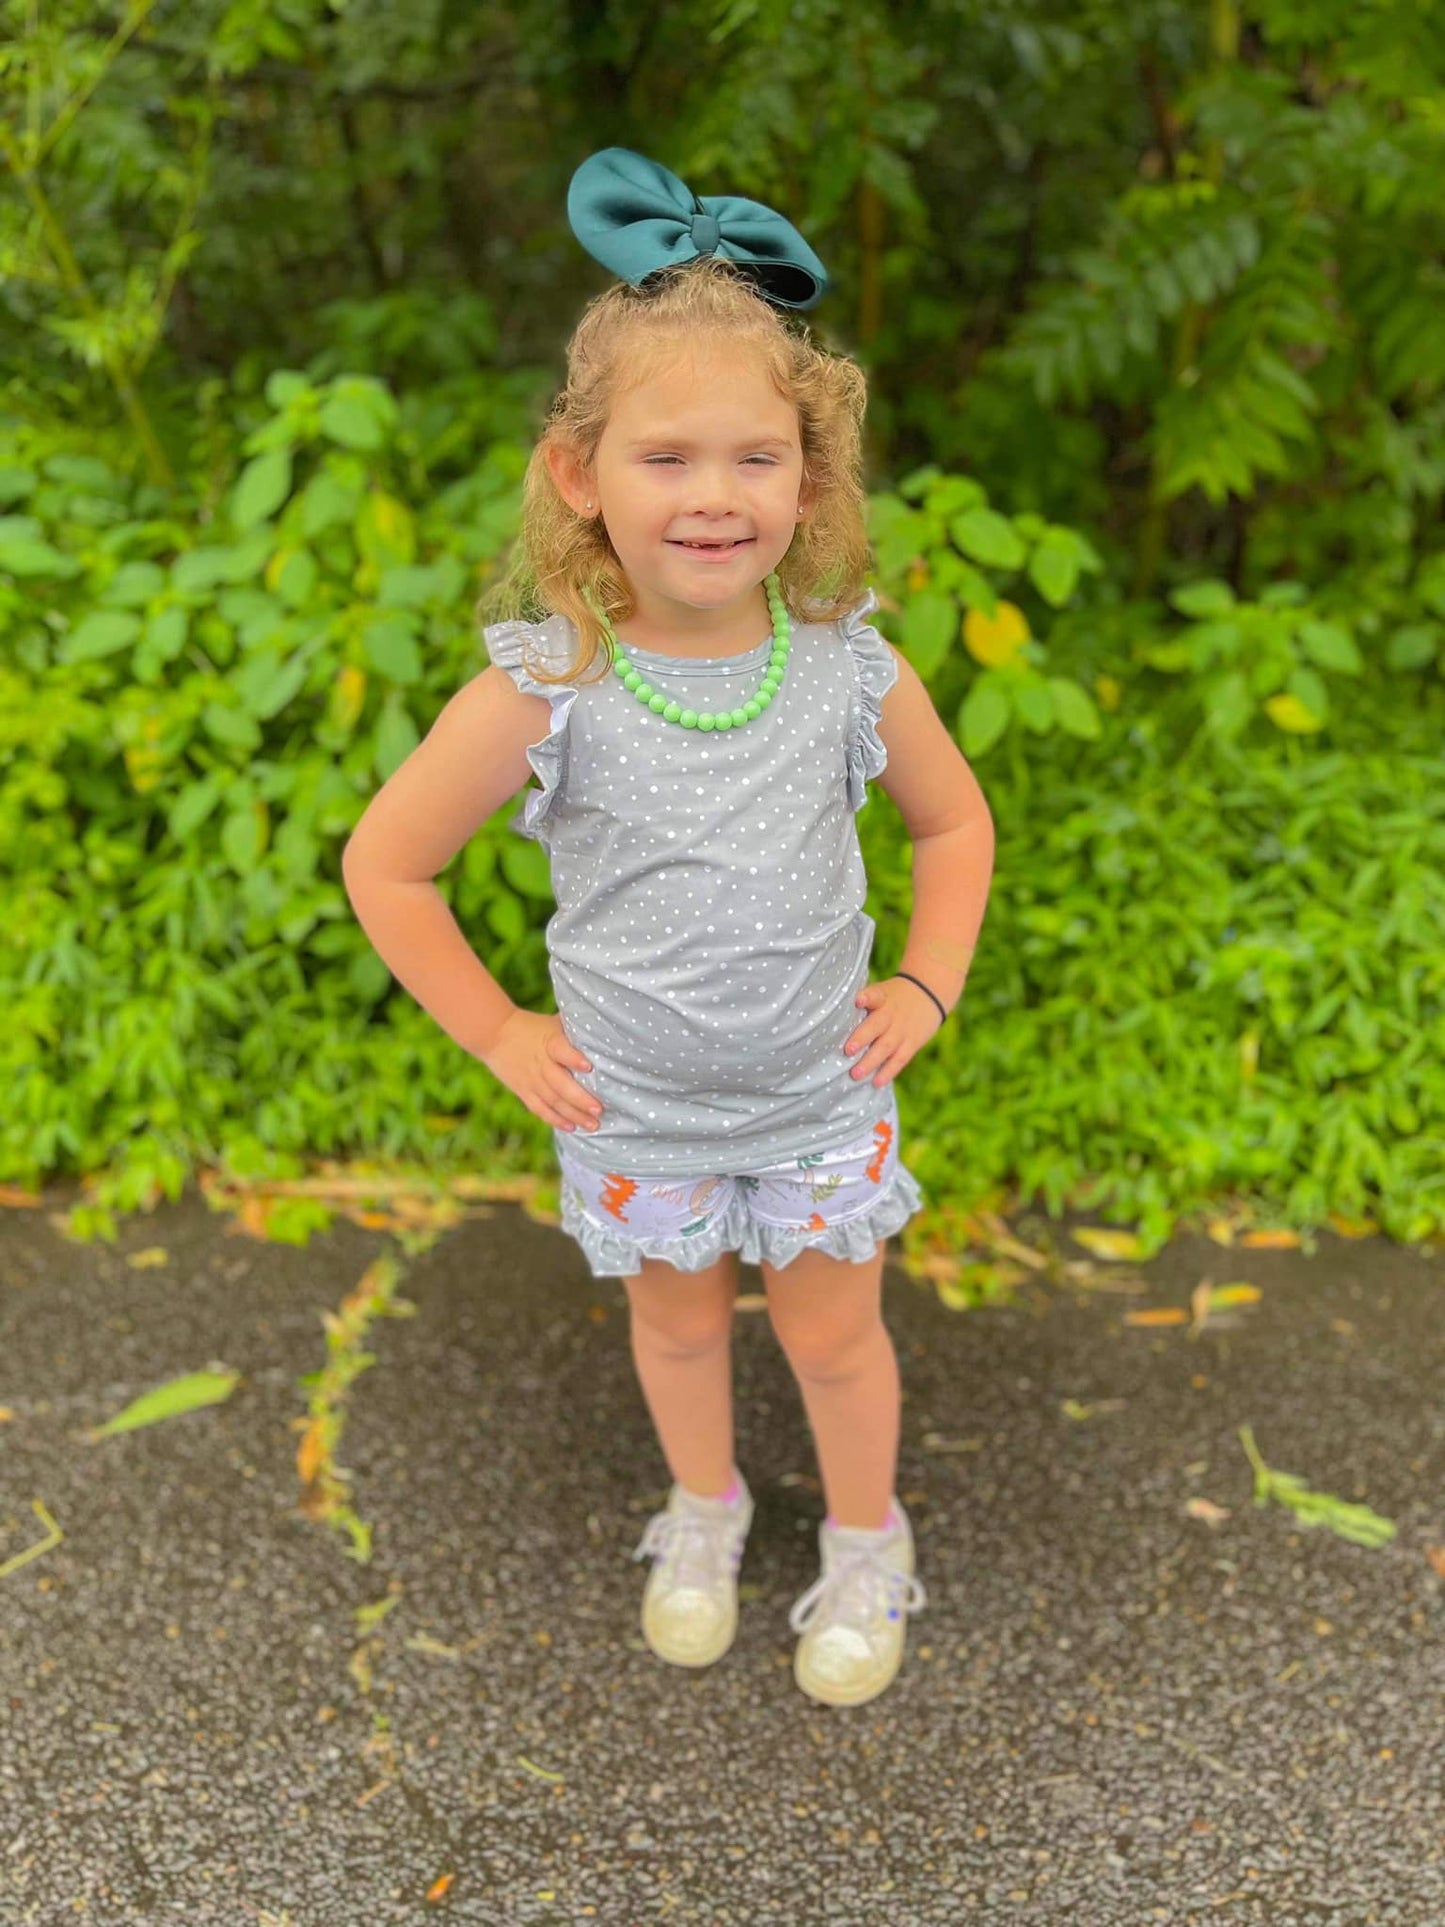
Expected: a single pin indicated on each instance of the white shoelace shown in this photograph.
(701, 1550)
(858, 1591)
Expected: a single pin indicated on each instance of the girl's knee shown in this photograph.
(684, 1312)
(835, 1350)
(826, 1311)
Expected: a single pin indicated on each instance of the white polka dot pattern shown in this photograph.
(709, 938)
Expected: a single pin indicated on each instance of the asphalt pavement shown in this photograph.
(1134, 1695)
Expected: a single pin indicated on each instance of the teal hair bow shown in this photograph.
(635, 216)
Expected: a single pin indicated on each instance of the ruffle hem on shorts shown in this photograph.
(612, 1254)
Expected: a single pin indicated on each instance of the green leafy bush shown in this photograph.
(1212, 961)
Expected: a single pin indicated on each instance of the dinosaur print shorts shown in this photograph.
(843, 1200)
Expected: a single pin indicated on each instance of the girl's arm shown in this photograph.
(471, 761)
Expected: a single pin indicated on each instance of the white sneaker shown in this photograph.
(852, 1617)
(690, 1606)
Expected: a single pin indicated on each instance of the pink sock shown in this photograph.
(733, 1492)
(889, 1521)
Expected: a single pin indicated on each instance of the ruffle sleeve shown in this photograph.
(876, 672)
(512, 646)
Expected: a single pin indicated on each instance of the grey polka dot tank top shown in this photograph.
(709, 937)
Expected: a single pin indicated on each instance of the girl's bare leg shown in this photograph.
(827, 1314)
(682, 1348)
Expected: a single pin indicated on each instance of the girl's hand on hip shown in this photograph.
(901, 1019)
(534, 1057)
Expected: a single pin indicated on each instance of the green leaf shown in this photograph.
(930, 623)
(1306, 685)
(133, 585)
(1413, 647)
(1211, 642)
(284, 387)
(988, 537)
(525, 867)
(1331, 647)
(101, 633)
(396, 737)
(233, 727)
(194, 804)
(1033, 702)
(252, 613)
(368, 976)
(327, 500)
(266, 685)
(185, 1394)
(357, 413)
(1228, 704)
(951, 494)
(505, 916)
(165, 635)
(1283, 595)
(296, 578)
(1201, 599)
(1074, 709)
(25, 555)
(409, 588)
(916, 484)
(897, 533)
(16, 483)
(81, 473)
(243, 837)
(390, 648)
(1054, 567)
(263, 486)
(971, 586)
(202, 568)
(1311, 690)
(984, 715)
(1171, 658)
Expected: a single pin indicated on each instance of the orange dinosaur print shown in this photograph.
(616, 1190)
(883, 1131)
(815, 1223)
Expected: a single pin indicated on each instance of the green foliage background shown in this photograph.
(1152, 300)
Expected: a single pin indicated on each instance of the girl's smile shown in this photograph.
(714, 551)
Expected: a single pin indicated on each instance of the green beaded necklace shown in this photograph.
(632, 677)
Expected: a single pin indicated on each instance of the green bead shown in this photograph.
(659, 703)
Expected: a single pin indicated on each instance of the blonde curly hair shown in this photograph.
(564, 564)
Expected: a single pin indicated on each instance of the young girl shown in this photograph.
(704, 702)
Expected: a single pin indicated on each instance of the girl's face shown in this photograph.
(704, 451)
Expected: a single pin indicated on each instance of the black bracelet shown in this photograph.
(923, 987)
